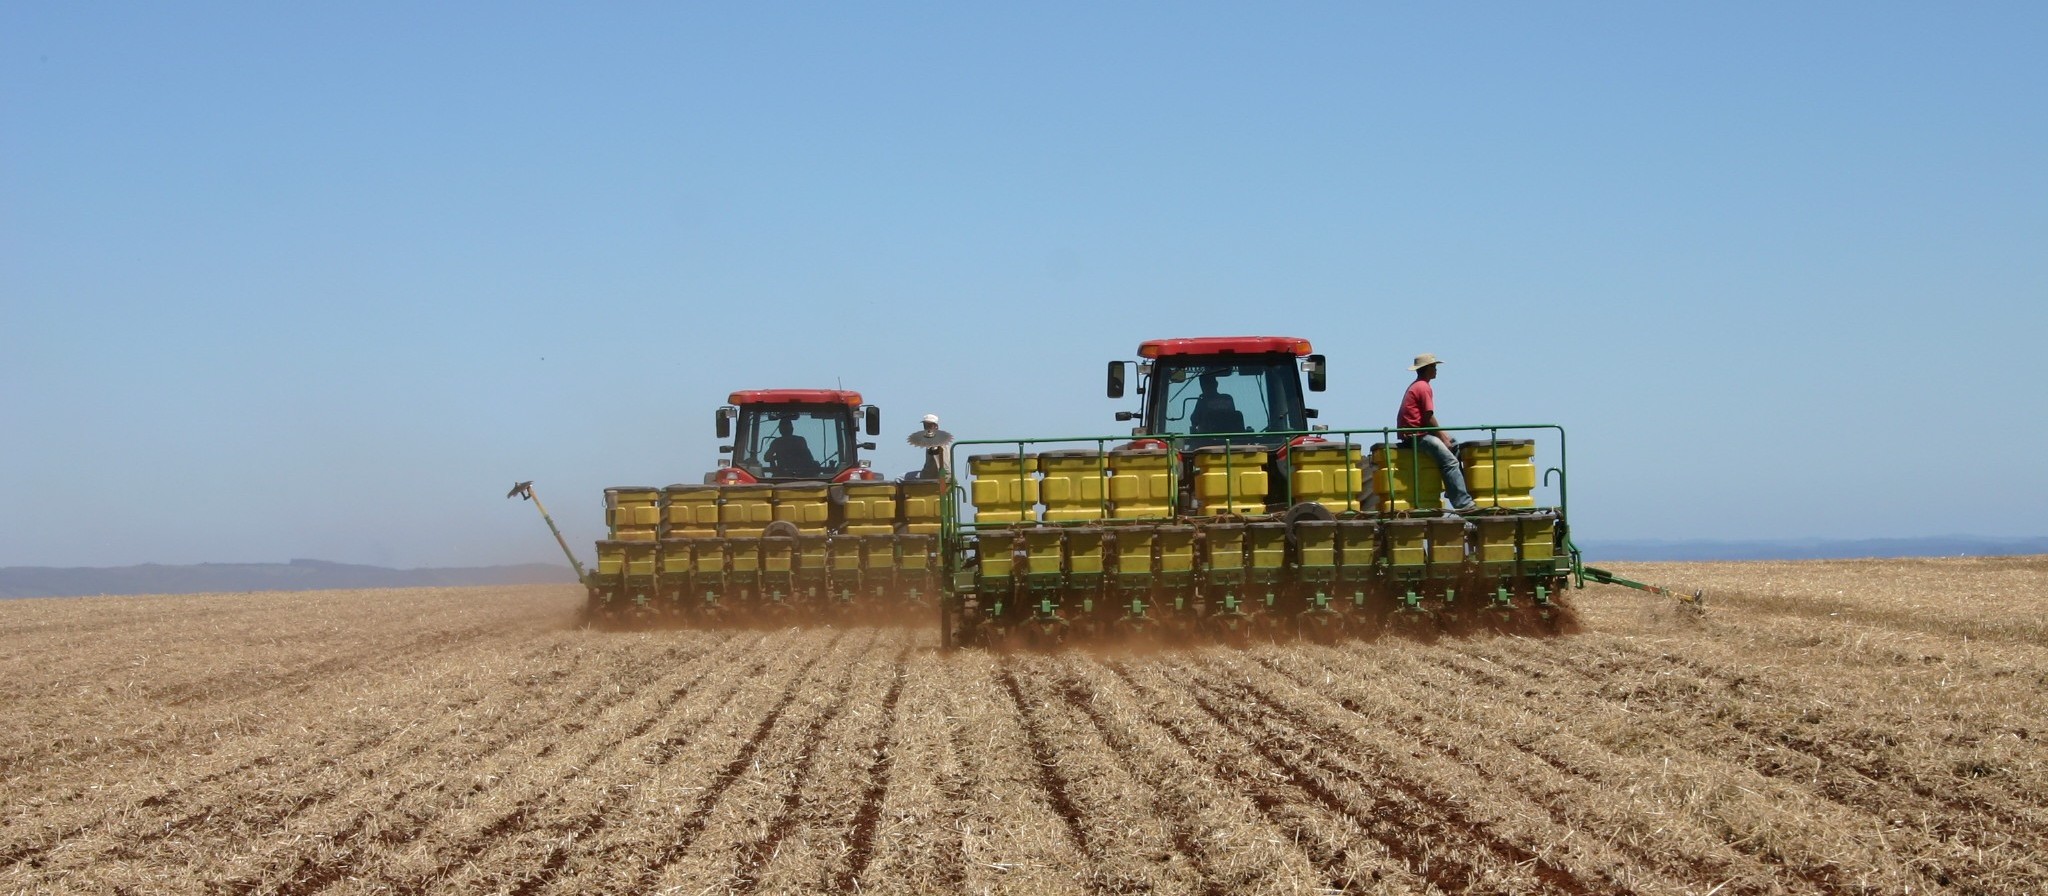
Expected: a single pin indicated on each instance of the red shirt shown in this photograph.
(1417, 404)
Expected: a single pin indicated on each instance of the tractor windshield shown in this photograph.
(1201, 394)
(794, 441)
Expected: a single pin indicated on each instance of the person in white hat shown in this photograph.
(934, 441)
(1418, 415)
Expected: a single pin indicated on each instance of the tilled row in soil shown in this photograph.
(473, 740)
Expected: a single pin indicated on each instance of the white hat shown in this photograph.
(931, 418)
(1424, 360)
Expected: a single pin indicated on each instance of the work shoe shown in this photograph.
(1469, 508)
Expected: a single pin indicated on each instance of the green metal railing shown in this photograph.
(954, 527)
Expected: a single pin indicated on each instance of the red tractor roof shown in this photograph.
(795, 396)
(1223, 345)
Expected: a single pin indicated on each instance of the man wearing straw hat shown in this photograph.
(934, 441)
(1418, 411)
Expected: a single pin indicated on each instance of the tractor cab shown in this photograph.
(1243, 390)
(792, 435)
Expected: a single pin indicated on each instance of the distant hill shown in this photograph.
(298, 575)
(1937, 546)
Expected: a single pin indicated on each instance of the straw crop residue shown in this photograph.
(1827, 727)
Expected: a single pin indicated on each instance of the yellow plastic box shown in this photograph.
(1133, 549)
(844, 551)
(611, 558)
(1327, 473)
(675, 557)
(632, 509)
(776, 554)
(1493, 538)
(1318, 542)
(1407, 542)
(996, 549)
(918, 500)
(806, 505)
(1005, 488)
(869, 504)
(1500, 472)
(880, 551)
(1447, 541)
(810, 551)
(1404, 479)
(1269, 546)
(914, 551)
(1231, 479)
(1176, 548)
(1141, 483)
(1225, 546)
(640, 558)
(1358, 544)
(1084, 550)
(691, 510)
(746, 509)
(1042, 550)
(1073, 485)
(709, 555)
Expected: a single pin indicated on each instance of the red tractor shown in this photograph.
(792, 435)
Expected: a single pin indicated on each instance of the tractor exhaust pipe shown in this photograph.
(525, 490)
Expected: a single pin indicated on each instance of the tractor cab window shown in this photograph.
(793, 441)
(1200, 396)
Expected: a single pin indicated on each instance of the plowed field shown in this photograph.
(1853, 727)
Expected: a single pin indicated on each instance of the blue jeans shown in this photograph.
(1454, 475)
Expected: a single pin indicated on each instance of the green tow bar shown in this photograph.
(1697, 599)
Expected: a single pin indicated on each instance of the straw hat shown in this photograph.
(1423, 360)
(931, 418)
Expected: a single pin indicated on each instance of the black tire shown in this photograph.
(1302, 512)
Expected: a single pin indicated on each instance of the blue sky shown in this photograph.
(284, 281)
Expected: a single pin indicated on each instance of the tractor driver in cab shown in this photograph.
(1214, 411)
(788, 454)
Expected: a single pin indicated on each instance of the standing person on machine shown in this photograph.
(934, 441)
(1418, 411)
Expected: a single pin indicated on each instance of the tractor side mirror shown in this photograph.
(1318, 373)
(725, 416)
(874, 420)
(1116, 379)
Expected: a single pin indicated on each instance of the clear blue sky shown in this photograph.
(287, 280)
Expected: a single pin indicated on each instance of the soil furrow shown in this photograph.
(1050, 779)
(312, 876)
(1273, 794)
(1427, 821)
(861, 841)
(143, 830)
(544, 795)
(1821, 776)
(692, 825)
(753, 856)
(1465, 746)
(1178, 815)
